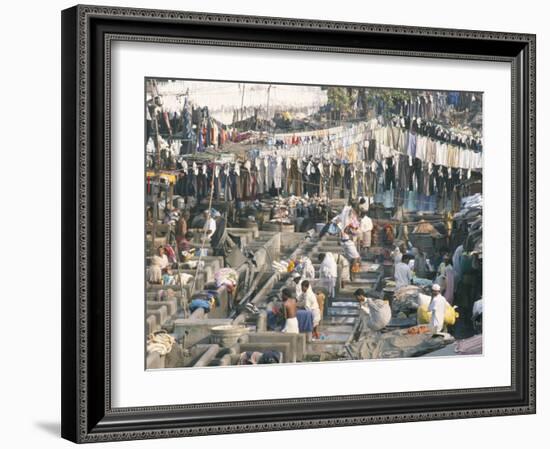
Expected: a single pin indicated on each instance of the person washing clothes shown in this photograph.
(209, 224)
(308, 301)
(159, 264)
(297, 282)
(403, 274)
(290, 308)
(351, 257)
(366, 231)
(374, 314)
(328, 272)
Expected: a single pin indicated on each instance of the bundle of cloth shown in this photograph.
(470, 207)
(407, 299)
(160, 342)
(377, 314)
(399, 343)
(192, 264)
(472, 202)
(280, 266)
(305, 268)
(470, 346)
(227, 277)
(280, 214)
(175, 279)
(205, 299)
(260, 358)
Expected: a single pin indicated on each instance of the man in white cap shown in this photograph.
(437, 308)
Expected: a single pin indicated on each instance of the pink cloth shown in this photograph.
(170, 253)
(469, 346)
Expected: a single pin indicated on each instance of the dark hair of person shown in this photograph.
(362, 201)
(405, 258)
(287, 292)
(321, 257)
(305, 284)
(189, 235)
(297, 279)
(359, 292)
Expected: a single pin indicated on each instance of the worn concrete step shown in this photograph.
(339, 320)
(351, 303)
(335, 328)
(342, 311)
(331, 339)
(318, 346)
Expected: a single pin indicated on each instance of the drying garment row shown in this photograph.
(291, 176)
(375, 143)
(389, 141)
(381, 147)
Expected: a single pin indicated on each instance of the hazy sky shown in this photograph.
(222, 98)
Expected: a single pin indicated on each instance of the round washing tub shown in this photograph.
(227, 335)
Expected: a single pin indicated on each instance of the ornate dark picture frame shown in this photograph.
(87, 34)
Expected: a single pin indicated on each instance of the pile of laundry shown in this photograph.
(260, 358)
(227, 277)
(280, 213)
(472, 202)
(407, 299)
(400, 343)
(377, 314)
(470, 346)
(281, 266)
(160, 342)
(205, 299)
(192, 264)
(474, 242)
(470, 207)
(176, 279)
(303, 267)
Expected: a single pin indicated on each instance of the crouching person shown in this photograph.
(308, 301)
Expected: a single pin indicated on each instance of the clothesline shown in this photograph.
(343, 136)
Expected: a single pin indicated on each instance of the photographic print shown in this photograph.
(308, 198)
(300, 223)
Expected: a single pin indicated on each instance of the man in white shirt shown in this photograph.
(437, 308)
(209, 224)
(403, 273)
(297, 281)
(366, 231)
(307, 300)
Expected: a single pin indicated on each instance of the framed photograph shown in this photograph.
(276, 224)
